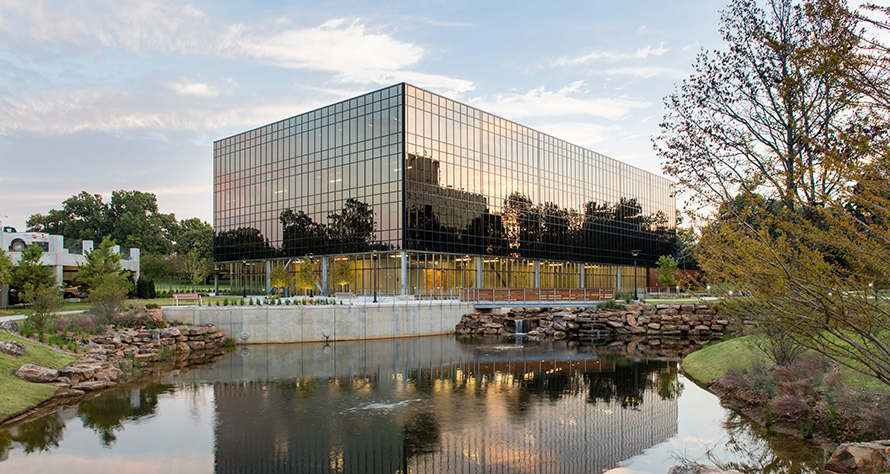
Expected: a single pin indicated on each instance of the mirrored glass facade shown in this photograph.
(444, 195)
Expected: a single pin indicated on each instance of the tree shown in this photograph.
(304, 278)
(342, 272)
(194, 267)
(793, 160)
(195, 234)
(30, 274)
(106, 280)
(101, 261)
(667, 269)
(131, 218)
(83, 217)
(6, 268)
(758, 116)
(37, 283)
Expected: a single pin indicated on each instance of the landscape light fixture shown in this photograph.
(374, 278)
(635, 253)
(243, 278)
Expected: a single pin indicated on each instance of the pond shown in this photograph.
(421, 405)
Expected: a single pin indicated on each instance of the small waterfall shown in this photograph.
(522, 326)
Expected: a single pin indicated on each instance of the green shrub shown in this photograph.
(612, 304)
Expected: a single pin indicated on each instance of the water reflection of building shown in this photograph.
(447, 195)
(464, 416)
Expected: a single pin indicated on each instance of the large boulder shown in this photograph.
(860, 458)
(36, 373)
(696, 468)
(10, 326)
(12, 348)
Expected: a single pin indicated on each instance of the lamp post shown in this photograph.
(243, 278)
(374, 278)
(635, 253)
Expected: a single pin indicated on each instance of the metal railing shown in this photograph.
(510, 295)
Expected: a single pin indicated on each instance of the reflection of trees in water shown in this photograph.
(421, 434)
(106, 414)
(627, 383)
(41, 434)
(760, 451)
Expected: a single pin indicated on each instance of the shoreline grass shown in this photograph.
(17, 395)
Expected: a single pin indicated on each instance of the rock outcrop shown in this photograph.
(663, 320)
(860, 458)
(103, 354)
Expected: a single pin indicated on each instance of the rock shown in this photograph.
(13, 348)
(687, 308)
(93, 385)
(654, 326)
(631, 320)
(69, 393)
(170, 332)
(78, 373)
(10, 326)
(860, 458)
(695, 468)
(36, 373)
(615, 324)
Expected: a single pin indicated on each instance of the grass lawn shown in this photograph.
(707, 365)
(16, 395)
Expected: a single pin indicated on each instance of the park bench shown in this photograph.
(343, 295)
(177, 297)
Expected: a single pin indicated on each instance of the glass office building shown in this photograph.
(403, 191)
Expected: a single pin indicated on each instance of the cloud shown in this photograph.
(105, 108)
(641, 53)
(190, 87)
(584, 134)
(351, 50)
(563, 102)
(644, 71)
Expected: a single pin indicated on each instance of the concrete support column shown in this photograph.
(618, 281)
(324, 275)
(4, 296)
(404, 272)
(583, 275)
(216, 281)
(268, 276)
(87, 246)
(60, 274)
(478, 272)
(537, 273)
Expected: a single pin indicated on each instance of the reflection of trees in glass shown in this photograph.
(524, 226)
(350, 230)
(243, 242)
(105, 414)
(41, 434)
(301, 233)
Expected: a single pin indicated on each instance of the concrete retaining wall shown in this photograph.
(268, 324)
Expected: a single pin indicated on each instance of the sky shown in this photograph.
(102, 95)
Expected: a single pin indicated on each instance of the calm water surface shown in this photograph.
(425, 405)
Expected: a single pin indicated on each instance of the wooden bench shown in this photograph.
(177, 297)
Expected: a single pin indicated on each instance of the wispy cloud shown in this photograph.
(566, 101)
(645, 71)
(103, 108)
(190, 87)
(348, 48)
(612, 56)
